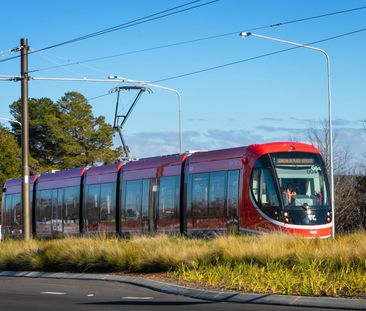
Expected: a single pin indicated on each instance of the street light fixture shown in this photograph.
(148, 83)
(247, 34)
(11, 120)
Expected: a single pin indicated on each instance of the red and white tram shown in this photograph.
(258, 188)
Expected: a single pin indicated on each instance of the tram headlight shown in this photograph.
(329, 217)
(286, 218)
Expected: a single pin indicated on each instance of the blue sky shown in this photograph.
(268, 99)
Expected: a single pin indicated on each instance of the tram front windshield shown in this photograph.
(301, 178)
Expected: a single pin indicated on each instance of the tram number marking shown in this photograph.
(314, 169)
(312, 217)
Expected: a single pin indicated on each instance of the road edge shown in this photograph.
(236, 297)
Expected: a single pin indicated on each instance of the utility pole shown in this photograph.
(24, 48)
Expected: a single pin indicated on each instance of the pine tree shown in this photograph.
(65, 134)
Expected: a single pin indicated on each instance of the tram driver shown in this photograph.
(290, 193)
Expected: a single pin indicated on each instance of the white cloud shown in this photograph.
(146, 144)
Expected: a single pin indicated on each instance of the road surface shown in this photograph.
(26, 294)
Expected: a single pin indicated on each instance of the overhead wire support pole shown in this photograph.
(330, 143)
(24, 48)
(148, 83)
(117, 117)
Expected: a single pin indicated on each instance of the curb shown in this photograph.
(236, 297)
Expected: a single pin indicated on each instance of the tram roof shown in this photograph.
(15, 185)
(60, 179)
(260, 149)
(215, 155)
(160, 161)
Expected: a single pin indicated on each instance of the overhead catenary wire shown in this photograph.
(256, 57)
(99, 96)
(198, 71)
(135, 22)
(232, 63)
(80, 62)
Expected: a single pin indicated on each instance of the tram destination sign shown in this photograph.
(294, 160)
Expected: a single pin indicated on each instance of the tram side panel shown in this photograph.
(57, 203)
(100, 199)
(150, 195)
(12, 213)
(213, 194)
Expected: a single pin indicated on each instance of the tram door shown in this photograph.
(56, 203)
(232, 202)
(137, 206)
(153, 192)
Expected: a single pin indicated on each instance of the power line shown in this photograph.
(198, 39)
(224, 65)
(255, 57)
(131, 23)
(320, 16)
(243, 60)
(9, 58)
(99, 96)
(135, 22)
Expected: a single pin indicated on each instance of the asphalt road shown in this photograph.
(18, 293)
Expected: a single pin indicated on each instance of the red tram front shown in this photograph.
(286, 189)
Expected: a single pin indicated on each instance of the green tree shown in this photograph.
(10, 157)
(84, 138)
(43, 120)
(66, 134)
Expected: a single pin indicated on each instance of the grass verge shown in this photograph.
(270, 263)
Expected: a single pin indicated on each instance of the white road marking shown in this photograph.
(90, 295)
(137, 298)
(53, 293)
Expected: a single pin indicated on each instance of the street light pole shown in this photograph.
(179, 108)
(247, 34)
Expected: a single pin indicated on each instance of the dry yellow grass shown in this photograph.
(268, 263)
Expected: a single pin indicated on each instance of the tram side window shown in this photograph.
(56, 212)
(43, 213)
(92, 204)
(232, 200)
(214, 194)
(145, 198)
(168, 197)
(100, 204)
(132, 199)
(107, 202)
(255, 184)
(263, 188)
(6, 213)
(199, 203)
(13, 214)
(16, 211)
(70, 210)
(217, 193)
